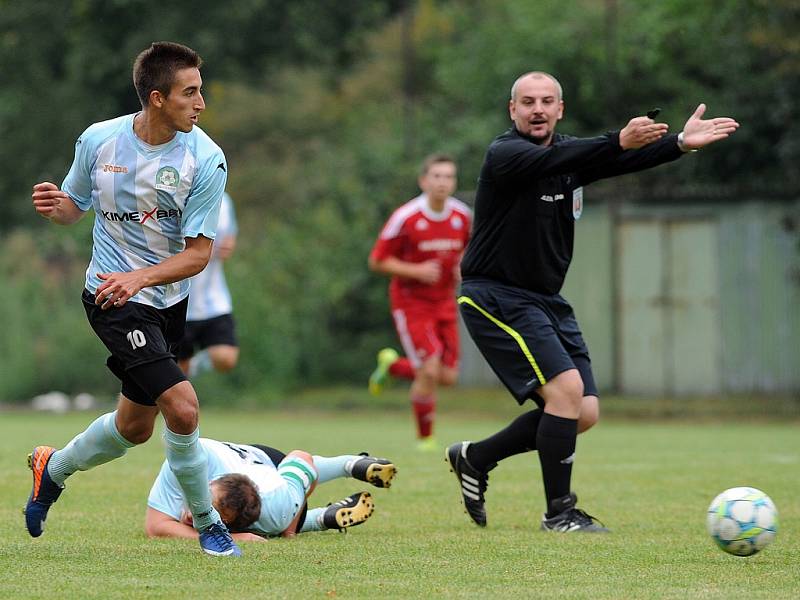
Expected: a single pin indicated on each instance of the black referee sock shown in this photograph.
(556, 443)
(518, 437)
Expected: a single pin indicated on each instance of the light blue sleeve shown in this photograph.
(201, 213)
(78, 182)
(232, 227)
(166, 495)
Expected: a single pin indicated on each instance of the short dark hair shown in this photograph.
(237, 501)
(433, 159)
(155, 67)
(537, 75)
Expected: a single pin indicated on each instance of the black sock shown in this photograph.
(518, 437)
(555, 440)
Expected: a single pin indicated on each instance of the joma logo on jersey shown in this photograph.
(141, 216)
(114, 169)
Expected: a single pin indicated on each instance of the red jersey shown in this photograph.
(416, 233)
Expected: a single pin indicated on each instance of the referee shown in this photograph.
(530, 193)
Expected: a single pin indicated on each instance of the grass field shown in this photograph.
(650, 482)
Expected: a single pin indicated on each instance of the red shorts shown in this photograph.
(428, 329)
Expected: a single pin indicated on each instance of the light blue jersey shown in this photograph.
(146, 199)
(279, 500)
(209, 296)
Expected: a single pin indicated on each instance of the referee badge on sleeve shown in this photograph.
(577, 203)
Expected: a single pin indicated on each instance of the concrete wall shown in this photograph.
(696, 298)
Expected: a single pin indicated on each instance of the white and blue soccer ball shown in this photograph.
(742, 521)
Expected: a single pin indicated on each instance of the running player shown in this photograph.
(210, 338)
(154, 182)
(420, 247)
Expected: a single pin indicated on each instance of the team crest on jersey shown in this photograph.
(456, 222)
(167, 179)
(577, 203)
(421, 225)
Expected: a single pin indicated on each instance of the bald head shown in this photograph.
(536, 106)
(536, 75)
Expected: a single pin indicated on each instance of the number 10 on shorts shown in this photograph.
(136, 338)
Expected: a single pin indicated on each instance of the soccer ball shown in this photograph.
(742, 520)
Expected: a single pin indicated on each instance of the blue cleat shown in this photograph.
(216, 541)
(44, 492)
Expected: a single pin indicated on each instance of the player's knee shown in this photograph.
(307, 458)
(570, 385)
(448, 376)
(224, 366)
(136, 432)
(564, 390)
(180, 407)
(225, 360)
(590, 413)
(303, 455)
(430, 369)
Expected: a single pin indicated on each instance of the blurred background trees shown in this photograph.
(324, 111)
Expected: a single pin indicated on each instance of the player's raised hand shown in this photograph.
(47, 198)
(641, 131)
(699, 132)
(53, 204)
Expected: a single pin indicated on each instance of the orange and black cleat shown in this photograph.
(44, 492)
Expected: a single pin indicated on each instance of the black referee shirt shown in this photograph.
(528, 198)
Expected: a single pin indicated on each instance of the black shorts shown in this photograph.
(198, 335)
(142, 341)
(527, 338)
(276, 456)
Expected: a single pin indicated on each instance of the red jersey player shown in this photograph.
(420, 247)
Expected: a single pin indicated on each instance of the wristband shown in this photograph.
(682, 147)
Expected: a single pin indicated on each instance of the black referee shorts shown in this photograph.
(142, 341)
(527, 338)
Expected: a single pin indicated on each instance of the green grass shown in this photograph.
(650, 482)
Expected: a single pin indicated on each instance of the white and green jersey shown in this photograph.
(146, 199)
(209, 296)
(279, 500)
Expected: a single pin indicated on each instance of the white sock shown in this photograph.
(313, 520)
(99, 443)
(334, 467)
(188, 461)
(199, 363)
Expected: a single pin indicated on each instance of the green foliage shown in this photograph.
(325, 110)
(46, 343)
(55, 85)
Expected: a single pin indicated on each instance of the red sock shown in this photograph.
(402, 368)
(424, 406)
